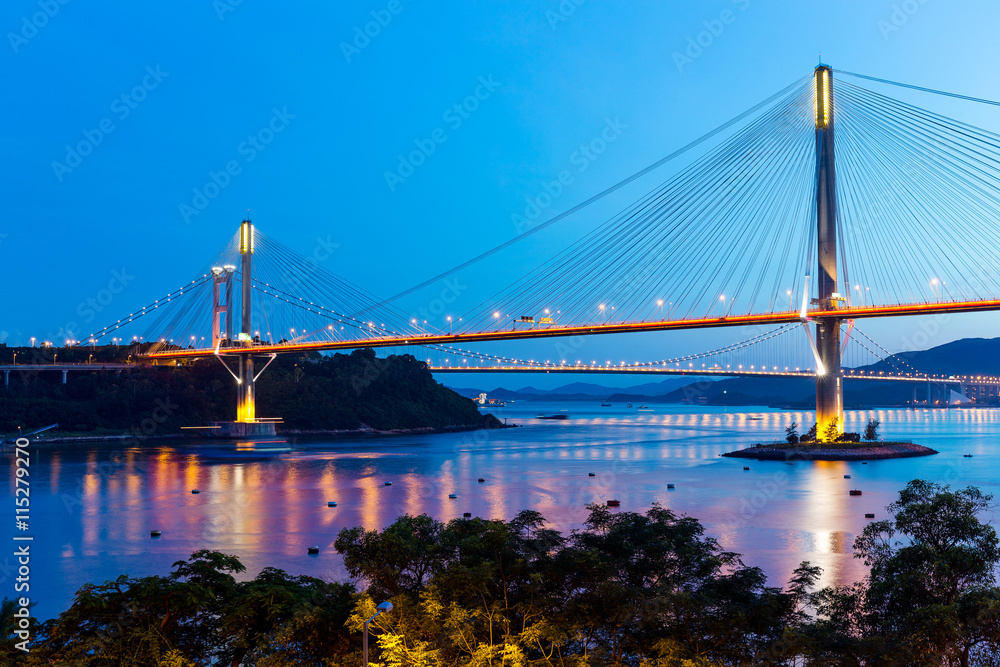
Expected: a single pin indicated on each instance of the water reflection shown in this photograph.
(266, 501)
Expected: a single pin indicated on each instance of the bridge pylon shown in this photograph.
(829, 373)
(245, 345)
(245, 409)
(222, 303)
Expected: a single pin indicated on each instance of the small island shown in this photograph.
(833, 446)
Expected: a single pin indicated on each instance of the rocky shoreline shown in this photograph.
(831, 452)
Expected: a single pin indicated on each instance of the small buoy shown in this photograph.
(855, 492)
(590, 474)
(388, 483)
(614, 503)
(670, 486)
(847, 476)
(746, 467)
(870, 515)
(467, 514)
(453, 495)
(154, 533)
(313, 550)
(481, 480)
(196, 491)
(332, 503)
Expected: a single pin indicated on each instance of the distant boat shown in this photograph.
(643, 408)
(629, 405)
(556, 416)
(605, 404)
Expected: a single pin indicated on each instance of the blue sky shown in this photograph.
(191, 114)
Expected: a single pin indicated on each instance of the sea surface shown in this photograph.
(93, 505)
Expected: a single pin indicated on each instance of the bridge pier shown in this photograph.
(829, 382)
(245, 409)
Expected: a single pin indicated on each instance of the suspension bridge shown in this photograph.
(819, 207)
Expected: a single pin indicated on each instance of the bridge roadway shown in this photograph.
(709, 371)
(65, 368)
(849, 373)
(789, 317)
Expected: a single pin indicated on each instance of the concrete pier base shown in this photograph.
(241, 429)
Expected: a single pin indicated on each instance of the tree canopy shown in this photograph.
(627, 588)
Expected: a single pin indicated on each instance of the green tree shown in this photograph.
(284, 620)
(399, 559)
(931, 595)
(792, 433)
(809, 435)
(143, 621)
(653, 586)
(871, 430)
(832, 430)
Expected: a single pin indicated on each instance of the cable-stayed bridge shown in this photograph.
(823, 205)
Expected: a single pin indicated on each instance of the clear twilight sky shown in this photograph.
(122, 119)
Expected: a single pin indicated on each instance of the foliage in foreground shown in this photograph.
(627, 589)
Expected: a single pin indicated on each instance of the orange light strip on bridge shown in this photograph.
(593, 329)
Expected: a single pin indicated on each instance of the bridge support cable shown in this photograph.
(149, 309)
(760, 352)
(918, 194)
(604, 193)
(765, 354)
(711, 240)
(920, 88)
(910, 186)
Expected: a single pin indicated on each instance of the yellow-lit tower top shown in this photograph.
(822, 97)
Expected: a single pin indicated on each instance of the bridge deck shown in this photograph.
(590, 329)
(849, 374)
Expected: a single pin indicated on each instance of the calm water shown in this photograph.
(94, 505)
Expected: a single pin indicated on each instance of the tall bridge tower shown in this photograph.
(244, 346)
(829, 376)
(245, 411)
(222, 304)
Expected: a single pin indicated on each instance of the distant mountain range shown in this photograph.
(968, 356)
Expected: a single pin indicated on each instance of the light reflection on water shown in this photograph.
(266, 501)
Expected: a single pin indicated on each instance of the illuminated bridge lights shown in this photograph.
(597, 329)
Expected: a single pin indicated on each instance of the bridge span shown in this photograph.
(777, 222)
(626, 369)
